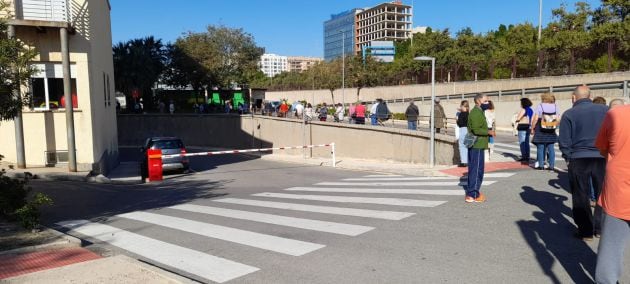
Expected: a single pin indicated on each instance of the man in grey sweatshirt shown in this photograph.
(578, 130)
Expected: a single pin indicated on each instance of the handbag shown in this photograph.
(469, 140)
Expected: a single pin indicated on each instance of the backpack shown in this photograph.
(549, 121)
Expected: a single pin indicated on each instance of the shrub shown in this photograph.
(15, 203)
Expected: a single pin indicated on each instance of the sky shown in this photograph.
(295, 28)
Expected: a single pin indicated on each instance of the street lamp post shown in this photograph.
(432, 120)
(343, 70)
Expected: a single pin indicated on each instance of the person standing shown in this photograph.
(352, 113)
(545, 124)
(382, 112)
(615, 103)
(523, 126)
(439, 116)
(308, 112)
(462, 124)
(299, 110)
(162, 107)
(477, 126)
(373, 109)
(612, 141)
(323, 112)
(171, 107)
(578, 129)
(284, 109)
(491, 119)
(412, 114)
(339, 113)
(360, 113)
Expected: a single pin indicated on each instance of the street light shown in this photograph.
(343, 68)
(432, 120)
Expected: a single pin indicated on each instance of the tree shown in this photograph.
(138, 64)
(572, 35)
(610, 27)
(223, 56)
(15, 70)
(330, 76)
(520, 47)
(363, 73)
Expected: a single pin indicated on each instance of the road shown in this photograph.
(247, 220)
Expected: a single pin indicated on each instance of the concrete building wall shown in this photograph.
(95, 123)
(242, 132)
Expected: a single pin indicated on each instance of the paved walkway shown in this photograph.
(15, 265)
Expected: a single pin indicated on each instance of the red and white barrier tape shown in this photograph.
(248, 151)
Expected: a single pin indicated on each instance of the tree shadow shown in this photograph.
(550, 236)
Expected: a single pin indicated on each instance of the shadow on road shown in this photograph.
(97, 202)
(550, 236)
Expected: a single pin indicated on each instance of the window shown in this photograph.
(46, 87)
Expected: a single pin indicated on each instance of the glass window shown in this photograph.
(46, 87)
(38, 93)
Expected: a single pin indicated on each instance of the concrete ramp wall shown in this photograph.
(243, 132)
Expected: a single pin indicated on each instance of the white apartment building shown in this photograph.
(273, 64)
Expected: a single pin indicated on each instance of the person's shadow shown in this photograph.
(551, 237)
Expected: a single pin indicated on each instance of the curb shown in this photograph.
(99, 179)
(66, 241)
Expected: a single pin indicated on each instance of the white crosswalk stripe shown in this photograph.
(262, 241)
(377, 214)
(488, 175)
(384, 190)
(349, 199)
(515, 150)
(457, 192)
(308, 224)
(381, 183)
(190, 261)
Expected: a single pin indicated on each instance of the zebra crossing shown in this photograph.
(346, 198)
(513, 149)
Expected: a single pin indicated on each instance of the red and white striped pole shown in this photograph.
(332, 145)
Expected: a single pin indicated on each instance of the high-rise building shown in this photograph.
(301, 63)
(334, 30)
(390, 21)
(273, 64)
(385, 22)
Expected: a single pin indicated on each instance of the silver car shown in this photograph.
(169, 146)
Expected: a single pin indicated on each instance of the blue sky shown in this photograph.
(296, 27)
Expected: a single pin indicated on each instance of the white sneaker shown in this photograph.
(536, 165)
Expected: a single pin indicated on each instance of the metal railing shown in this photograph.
(616, 85)
(42, 10)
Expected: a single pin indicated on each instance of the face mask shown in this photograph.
(485, 106)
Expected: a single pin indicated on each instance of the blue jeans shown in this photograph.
(523, 140)
(463, 150)
(550, 151)
(476, 165)
(373, 118)
(412, 125)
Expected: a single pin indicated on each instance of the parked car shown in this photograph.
(169, 146)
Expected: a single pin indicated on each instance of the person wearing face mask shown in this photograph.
(477, 127)
(544, 125)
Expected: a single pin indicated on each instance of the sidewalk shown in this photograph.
(44, 173)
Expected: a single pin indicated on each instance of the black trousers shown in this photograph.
(581, 172)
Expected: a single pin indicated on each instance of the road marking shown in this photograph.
(378, 183)
(191, 261)
(352, 199)
(517, 153)
(488, 175)
(387, 215)
(308, 224)
(380, 190)
(248, 238)
(518, 147)
(378, 176)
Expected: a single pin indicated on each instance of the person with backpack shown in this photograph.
(382, 112)
(544, 125)
(323, 112)
(579, 128)
(411, 114)
(523, 126)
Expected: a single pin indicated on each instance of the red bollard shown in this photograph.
(154, 164)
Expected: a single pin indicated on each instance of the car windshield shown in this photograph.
(167, 144)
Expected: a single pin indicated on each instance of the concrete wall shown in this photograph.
(94, 120)
(236, 132)
(506, 105)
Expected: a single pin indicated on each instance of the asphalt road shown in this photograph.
(415, 231)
